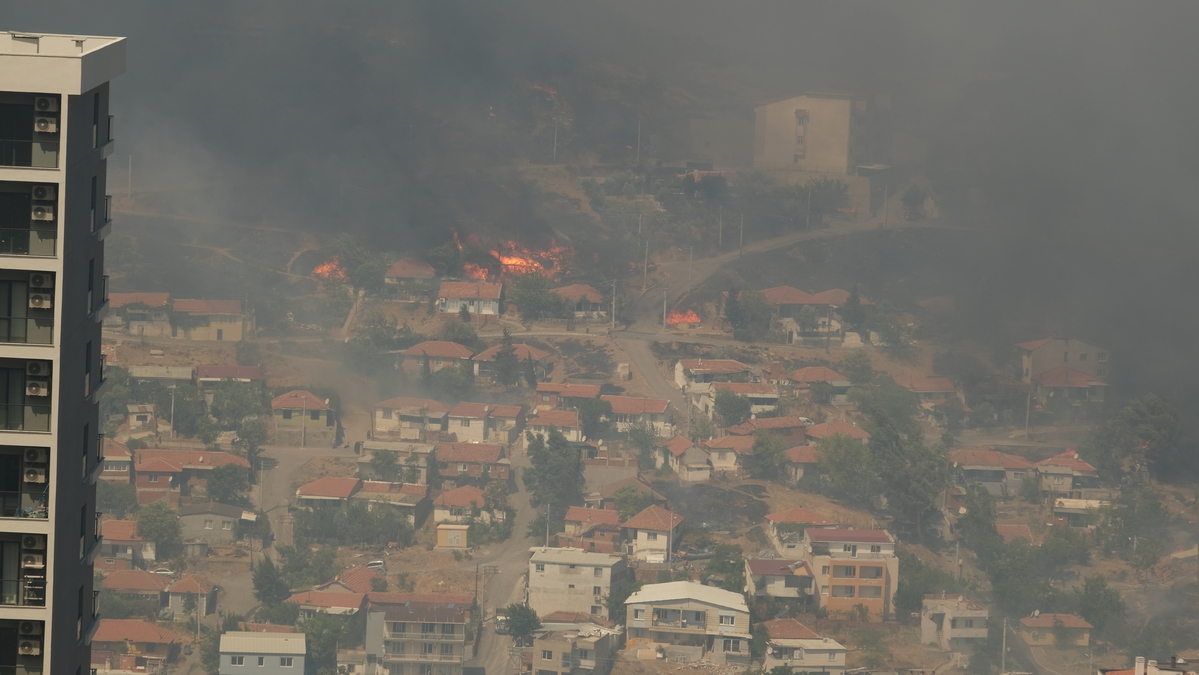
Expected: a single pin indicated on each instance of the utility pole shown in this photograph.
(639, 218)
(665, 292)
(303, 424)
(886, 196)
(173, 387)
(639, 139)
(1003, 652)
(555, 161)
(720, 229)
(129, 185)
(645, 266)
(690, 258)
(808, 222)
(1027, 409)
(612, 330)
(741, 244)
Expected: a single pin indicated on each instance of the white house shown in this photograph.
(652, 533)
(790, 643)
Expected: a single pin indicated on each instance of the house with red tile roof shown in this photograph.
(580, 520)
(485, 360)
(763, 396)
(777, 578)
(150, 300)
(203, 590)
(817, 432)
(791, 644)
(604, 497)
(437, 353)
(802, 460)
(727, 453)
(691, 372)
(219, 320)
(1067, 475)
(804, 378)
(792, 429)
(341, 491)
(930, 390)
(998, 472)
(471, 422)
(587, 301)
(630, 410)
(121, 548)
(320, 602)
(1066, 386)
(1039, 356)
(473, 460)
(408, 269)
(138, 584)
(566, 421)
(786, 528)
(1041, 630)
(461, 503)
(173, 474)
(118, 463)
(652, 533)
(408, 418)
(688, 461)
(478, 297)
(787, 301)
(145, 646)
(356, 579)
(303, 418)
(563, 394)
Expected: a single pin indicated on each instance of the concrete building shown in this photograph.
(1041, 630)
(952, 621)
(690, 372)
(652, 533)
(266, 653)
(463, 461)
(790, 643)
(777, 578)
(1039, 356)
(133, 645)
(851, 568)
(786, 528)
(217, 320)
(406, 418)
(570, 580)
(419, 633)
(998, 472)
(212, 522)
(629, 410)
(1067, 475)
(54, 216)
(563, 394)
(302, 418)
(691, 621)
(823, 130)
(478, 297)
(586, 650)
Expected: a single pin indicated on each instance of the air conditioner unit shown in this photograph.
(41, 280)
(37, 368)
(44, 193)
(40, 301)
(43, 212)
(30, 628)
(45, 125)
(45, 104)
(35, 475)
(33, 542)
(37, 388)
(34, 561)
(29, 647)
(37, 455)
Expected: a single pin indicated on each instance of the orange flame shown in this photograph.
(675, 317)
(330, 270)
(473, 271)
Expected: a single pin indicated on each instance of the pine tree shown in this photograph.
(426, 372)
(530, 372)
(506, 365)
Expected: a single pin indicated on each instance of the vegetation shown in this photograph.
(594, 416)
(506, 366)
(357, 525)
(116, 499)
(749, 313)
(228, 484)
(556, 477)
(732, 408)
(269, 586)
(614, 601)
(769, 459)
(159, 523)
(532, 295)
(522, 622)
(630, 501)
(644, 438)
(727, 561)
(858, 368)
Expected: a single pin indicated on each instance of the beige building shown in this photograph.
(952, 621)
(790, 643)
(588, 649)
(419, 633)
(571, 580)
(1039, 356)
(652, 533)
(824, 130)
(851, 568)
(691, 621)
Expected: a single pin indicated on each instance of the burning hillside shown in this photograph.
(676, 317)
(330, 270)
(512, 259)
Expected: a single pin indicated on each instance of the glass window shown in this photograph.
(208, 524)
(870, 591)
(870, 572)
(651, 536)
(547, 655)
(540, 567)
(843, 591)
(638, 613)
(286, 414)
(727, 620)
(261, 661)
(285, 661)
(237, 660)
(599, 572)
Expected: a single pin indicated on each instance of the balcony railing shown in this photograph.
(23, 592)
(25, 504)
(423, 637)
(26, 330)
(24, 417)
(28, 241)
(407, 656)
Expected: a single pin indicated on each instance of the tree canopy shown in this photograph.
(159, 523)
(556, 477)
(731, 407)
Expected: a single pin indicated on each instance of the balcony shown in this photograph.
(412, 658)
(28, 153)
(24, 417)
(26, 330)
(423, 637)
(587, 664)
(102, 229)
(25, 504)
(100, 310)
(26, 592)
(42, 241)
(109, 143)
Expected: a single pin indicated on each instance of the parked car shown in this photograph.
(377, 565)
(164, 571)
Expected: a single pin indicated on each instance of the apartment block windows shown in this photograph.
(94, 202)
(843, 591)
(540, 567)
(870, 591)
(547, 655)
(237, 660)
(26, 314)
(261, 661)
(599, 572)
(801, 133)
(597, 590)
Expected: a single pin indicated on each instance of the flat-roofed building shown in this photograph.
(571, 580)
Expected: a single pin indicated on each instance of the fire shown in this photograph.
(515, 258)
(473, 271)
(676, 317)
(330, 270)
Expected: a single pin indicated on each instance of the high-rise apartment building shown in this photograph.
(55, 133)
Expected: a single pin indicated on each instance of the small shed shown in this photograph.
(141, 418)
(452, 536)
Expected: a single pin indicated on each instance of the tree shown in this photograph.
(506, 365)
(115, 499)
(754, 313)
(228, 484)
(1017, 584)
(728, 562)
(269, 587)
(644, 438)
(384, 464)
(454, 382)
(464, 314)
(447, 258)
(913, 202)
(915, 473)
(895, 336)
(857, 367)
(732, 408)
(701, 429)
(556, 477)
(808, 319)
(160, 524)
(248, 353)
(594, 416)
(379, 584)
(848, 469)
(251, 436)
(189, 411)
(363, 267)
(821, 393)
(233, 401)
(827, 196)
(495, 496)
(533, 295)
(522, 621)
(769, 455)
(619, 593)
(977, 525)
(1099, 605)
(630, 501)
(322, 632)
(530, 372)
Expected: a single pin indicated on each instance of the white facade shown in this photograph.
(572, 580)
(53, 220)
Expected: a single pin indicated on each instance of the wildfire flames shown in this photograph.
(675, 317)
(330, 270)
(516, 259)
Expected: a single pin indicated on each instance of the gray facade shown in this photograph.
(214, 523)
(53, 220)
(262, 653)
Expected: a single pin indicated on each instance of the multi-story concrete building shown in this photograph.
(824, 130)
(952, 621)
(570, 580)
(55, 136)
(691, 621)
(851, 568)
(419, 633)
(265, 653)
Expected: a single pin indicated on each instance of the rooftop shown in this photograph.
(570, 390)
(852, 536)
(470, 290)
(132, 630)
(477, 453)
(786, 295)
(116, 300)
(439, 349)
(571, 556)
(465, 496)
(192, 584)
(329, 487)
(747, 388)
(773, 567)
(577, 292)
(789, 629)
(1068, 460)
(742, 445)
(1034, 345)
(237, 642)
(803, 454)
(677, 445)
(814, 374)
(251, 373)
(578, 617)
(327, 600)
(359, 578)
(688, 590)
(192, 459)
(654, 517)
(135, 580)
(582, 514)
(299, 399)
(954, 598)
(609, 490)
(712, 366)
(972, 457)
(748, 427)
(216, 508)
(558, 418)
(410, 268)
(207, 306)
(415, 406)
(1048, 621)
(115, 450)
(634, 405)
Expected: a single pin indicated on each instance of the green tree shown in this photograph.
(644, 438)
(189, 411)
(1017, 584)
(732, 408)
(384, 464)
(269, 587)
(228, 484)
(159, 523)
(913, 202)
(1100, 605)
(248, 353)
(284, 614)
(536, 530)
(630, 501)
(522, 622)
(701, 429)
(251, 436)
(848, 469)
(916, 474)
(857, 367)
(116, 499)
(619, 593)
(447, 258)
(821, 393)
(595, 416)
(363, 267)
(464, 314)
(754, 313)
(530, 373)
(533, 295)
(728, 562)
(233, 401)
(454, 382)
(808, 319)
(759, 638)
(977, 525)
(506, 365)
(1063, 546)
(379, 584)
(322, 633)
(769, 457)
(827, 196)
(556, 477)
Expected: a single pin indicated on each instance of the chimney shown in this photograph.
(1139, 669)
(1151, 667)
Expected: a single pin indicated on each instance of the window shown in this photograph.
(967, 623)
(395, 647)
(428, 628)
(824, 569)
(447, 649)
(843, 591)
(464, 422)
(732, 645)
(427, 648)
(447, 629)
(547, 655)
(651, 536)
(386, 414)
(462, 468)
(153, 478)
(261, 661)
(208, 524)
(314, 415)
(1101, 357)
(237, 660)
(599, 572)
(545, 398)
(227, 525)
(570, 586)
(595, 609)
(870, 592)
(1101, 372)
(286, 414)
(844, 571)
(870, 572)
(793, 582)
(597, 590)
(540, 567)
(876, 549)
(1082, 356)
(425, 669)
(832, 656)
(727, 620)
(398, 627)
(571, 567)
(846, 548)
(638, 613)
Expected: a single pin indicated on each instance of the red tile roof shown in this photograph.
(1011, 533)
(119, 530)
(828, 429)
(149, 299)
(799, 515)
(702, 366)
(506, 411)
(813, 374)
(157, 465)
(1064, 376)
(569, 390)
(742, 445)
(654, 517)
(575, 292)
(566, 419)
(192, 584)
(135, 580)
(193, 459)
(1034, 345)
(327, 600)
(836, 296)
(207, 306)
(635, 405)
(803, 454)
(115, 450)
(132, 630)
(748, 427)
(584, 515)
(251, 373)
(789, 629)
(926, 385)
(747, 388)
(440, 349)
(1048, 620)
(677, 445)
(299, 399)
(985, 457)
(776, 568)
(335, 487)
(358, 578)
(521, 351)
(786, 295)
(469, 409)
(1070, 460)
(410, 406)
(470, 453)
(410, 268)
(467, 495)
(383, 487)
(455, 290)
(838, 535)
